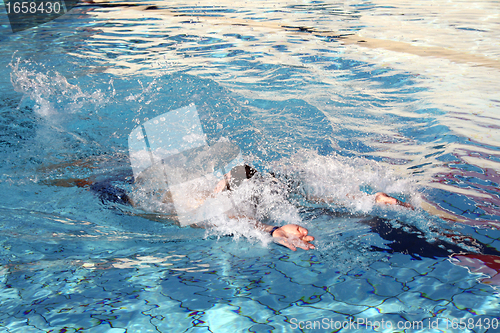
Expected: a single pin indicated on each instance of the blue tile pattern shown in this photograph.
(214, 286)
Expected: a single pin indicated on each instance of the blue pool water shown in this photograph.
(336, 115)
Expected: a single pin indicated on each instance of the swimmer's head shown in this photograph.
(235, 177)
(238, 174)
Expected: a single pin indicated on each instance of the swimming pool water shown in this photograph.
(401, 97)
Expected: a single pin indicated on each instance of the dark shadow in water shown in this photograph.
(409, 240)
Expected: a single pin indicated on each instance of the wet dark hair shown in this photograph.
(239, 174)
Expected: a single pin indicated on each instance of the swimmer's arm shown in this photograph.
(380, 198)
(91, 164)
(291, 236)
(384, 199)
(69, 182)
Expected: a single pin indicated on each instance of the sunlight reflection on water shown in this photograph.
(411, 87)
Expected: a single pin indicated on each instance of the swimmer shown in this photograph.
(405, 238)
(292, 236)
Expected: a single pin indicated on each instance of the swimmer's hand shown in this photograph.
(384, 199)
(293, 236)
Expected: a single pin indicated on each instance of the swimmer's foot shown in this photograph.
(384, 199)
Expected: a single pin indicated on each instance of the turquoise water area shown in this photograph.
(387, 96)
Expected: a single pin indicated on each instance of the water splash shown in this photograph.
(341, 181)
(332, 181)
(51, 91)
(238, 228)
(260, 198)
(148, 92)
